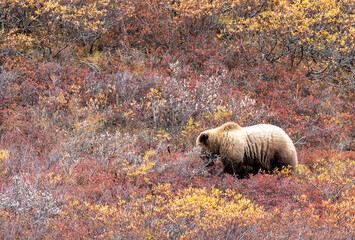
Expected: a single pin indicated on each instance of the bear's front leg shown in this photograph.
(229, 168)
(245, 170)
(237, 169)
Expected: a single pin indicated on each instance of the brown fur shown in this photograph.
(247, 150)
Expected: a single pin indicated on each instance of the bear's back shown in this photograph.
(266, 131)
(267, 138)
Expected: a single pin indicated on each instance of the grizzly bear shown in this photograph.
(245, 150)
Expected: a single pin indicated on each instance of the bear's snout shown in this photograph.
(208, 158)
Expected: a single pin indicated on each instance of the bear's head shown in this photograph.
(210, 140)
(209, 145)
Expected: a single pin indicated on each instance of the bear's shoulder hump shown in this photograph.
(229, 126)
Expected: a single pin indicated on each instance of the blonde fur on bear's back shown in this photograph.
(265, 141)
(230, 126)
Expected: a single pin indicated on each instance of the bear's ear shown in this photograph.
(203, 138)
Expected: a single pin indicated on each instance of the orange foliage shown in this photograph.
(101, 103)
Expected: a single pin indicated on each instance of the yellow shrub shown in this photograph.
(4, 154)
(136, 169)
(167, 214)
(333, 177)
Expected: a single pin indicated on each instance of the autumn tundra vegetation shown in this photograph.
(101, 103)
